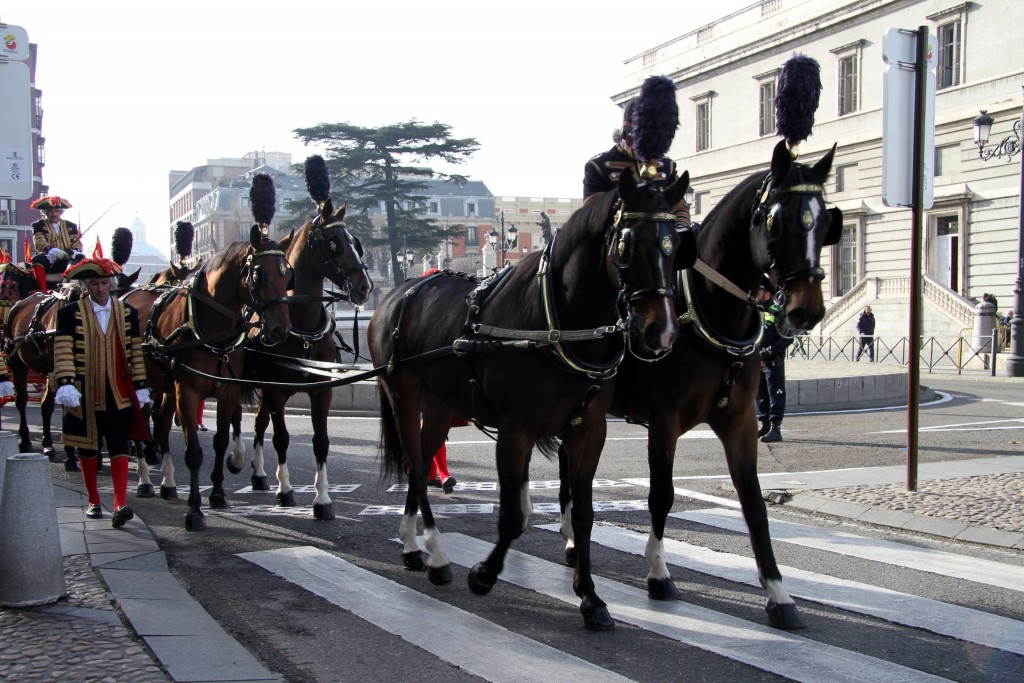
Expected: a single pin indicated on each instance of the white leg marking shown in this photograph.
(257, 461)
(432, 539)
(407, 534)
(238, 452)
(143, 470)
(167, 470)
(527, 505)
(321, 486)
(284, 483)
(776, 593)
(655, 554)
(566, 528)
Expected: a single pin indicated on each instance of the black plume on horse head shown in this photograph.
(184, 234)
(655, 118)
(797, 98)
(318, 180)
(121, 245)
(262, 198)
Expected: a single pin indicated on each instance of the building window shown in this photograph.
(946, 157)
(846, 178)
(702, 112)
(766, 121)
(846, 263)
(471, 236)
(433, 208)
(470, 208)
(948, 48)
(701, 202)
(944, 251)
(848, 85)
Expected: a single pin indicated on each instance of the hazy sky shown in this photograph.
(132, 90)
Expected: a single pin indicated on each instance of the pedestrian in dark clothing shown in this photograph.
(866, 330)
(771, 394)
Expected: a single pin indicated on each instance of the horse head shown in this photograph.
(124, 282)
(789, 228)
(642, 255)
(338, 254)
(266, 277)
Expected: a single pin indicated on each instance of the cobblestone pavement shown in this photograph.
(995, 501)
(80, 639)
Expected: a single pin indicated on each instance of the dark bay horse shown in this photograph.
(534, 356)
(774, 224)
(194, 336)
(29, 330)
(322, 248)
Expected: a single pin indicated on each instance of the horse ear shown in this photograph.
(627, 184)
(822, 168)
(340, 215)
(286, 240)
(255, 236)
(130, 280)
(835, 227)
(676, 191)
(782, 161)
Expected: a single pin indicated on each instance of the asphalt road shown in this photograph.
(306, 637)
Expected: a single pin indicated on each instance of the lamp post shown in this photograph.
(1009, 147)
(503, 242)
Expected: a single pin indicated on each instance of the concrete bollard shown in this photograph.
(8, 446)
(31, 564)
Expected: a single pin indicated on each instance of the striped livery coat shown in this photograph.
(116, 360)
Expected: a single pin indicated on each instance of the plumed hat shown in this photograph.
(92, 267)
(184, 235)
(121, 243)
(51, 202)
(797, 99)
(262, 200)
(654, 117)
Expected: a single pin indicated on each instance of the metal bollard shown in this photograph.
(31, 564)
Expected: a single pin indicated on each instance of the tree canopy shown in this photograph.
(387, 166)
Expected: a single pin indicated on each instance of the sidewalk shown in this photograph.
(125, 617)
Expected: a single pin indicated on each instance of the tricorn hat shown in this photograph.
(92, 267)
(51, 202)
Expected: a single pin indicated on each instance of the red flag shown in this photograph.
(28, 249)
(97, 251)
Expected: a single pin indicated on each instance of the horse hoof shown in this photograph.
(479, 582)
(145, 491)
(233, 469)
(286, 500)
(570, 557)
(195, 521)
(596, 618)
(323, 511)
(440, 576)
(50, 453)
(71, 465)
(662, 589)
(413, 561)
(218, 501)
(784, 616)
(169, 492)
(259, 483)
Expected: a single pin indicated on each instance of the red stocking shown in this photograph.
(119, 475)
(439, 465)
(89, 467)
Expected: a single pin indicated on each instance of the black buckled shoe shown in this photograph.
(449, 485)
(94, 512)
(121, 516)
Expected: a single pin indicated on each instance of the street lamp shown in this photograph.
(1009, 147)
(503, 241)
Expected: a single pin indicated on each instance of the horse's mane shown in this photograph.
(225, 255)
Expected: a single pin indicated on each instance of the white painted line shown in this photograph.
(963, 623)
(469, 509)
(305, 488)
(983, 426)
(973, 569)
(762, 647)
(456, 636)
(534, 485)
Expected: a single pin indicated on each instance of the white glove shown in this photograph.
(6, 389)
(143, 396)
(68, 396)
(55, 254)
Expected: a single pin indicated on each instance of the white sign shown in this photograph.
(15, 131)
(13, 42)
(899, 52)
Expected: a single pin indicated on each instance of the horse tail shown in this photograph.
(548, 446)
(389, 446)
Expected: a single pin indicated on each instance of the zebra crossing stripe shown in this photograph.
(887, 552)
(461, 638)
(963, 623)
(761, 647)
(305, 488)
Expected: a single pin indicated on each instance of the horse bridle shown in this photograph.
(622, 239)
(254, 276)
(328, 242)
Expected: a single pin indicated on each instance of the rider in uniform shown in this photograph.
(56, 241)
(601, 174)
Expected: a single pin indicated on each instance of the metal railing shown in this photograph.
(952, 353)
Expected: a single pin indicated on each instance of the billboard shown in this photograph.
(15, 130)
